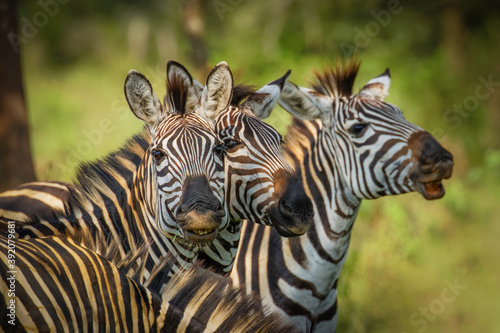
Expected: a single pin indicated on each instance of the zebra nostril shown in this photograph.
(182, 209)
(426, 160)
(220, 211)
(285, 207)
(426, 163)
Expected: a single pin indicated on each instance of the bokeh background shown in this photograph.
(414, 265)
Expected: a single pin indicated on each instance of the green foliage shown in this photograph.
(403, 248)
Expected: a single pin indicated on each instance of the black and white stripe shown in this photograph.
(116, 198)
(133, 196)
(347, 148)
(76, 287)
(35, 198)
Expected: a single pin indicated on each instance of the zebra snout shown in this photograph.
(294, 212)
(297, 214)
(200, 224)
(434, 164)
(201, 208)
(434, 161)
(200, 214)
(297, 207)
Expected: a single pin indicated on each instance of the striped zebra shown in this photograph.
(31, 199)
(64, 284)
(347, 147)
(114, 196)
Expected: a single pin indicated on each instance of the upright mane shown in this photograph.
(337, 81)
(97, 179)
(242, 92)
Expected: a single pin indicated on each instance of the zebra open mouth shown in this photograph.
(201, 235)
(431, 190)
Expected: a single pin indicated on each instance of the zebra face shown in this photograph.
(188, 173)
(260, 184)
(383, 150)
(376, 150)
(184, 177)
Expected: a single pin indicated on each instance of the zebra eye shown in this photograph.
(231, 143)
(158, 155)
(220, 150)
(358, 129)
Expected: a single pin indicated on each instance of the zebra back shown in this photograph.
(105, 188)
(65, 284)
(31, 199)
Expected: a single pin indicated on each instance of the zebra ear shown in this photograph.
(304, 103)
(218, 91)
(175, 72)
(265, 99)
(141, 98)
(378, 87)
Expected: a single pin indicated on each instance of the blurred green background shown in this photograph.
(405, 251)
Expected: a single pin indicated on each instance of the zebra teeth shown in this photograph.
(202, 231)
(431, 190)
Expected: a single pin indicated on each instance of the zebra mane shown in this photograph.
(223, 304)
(133, 264)
(337, 81)
(242, 92)
(98, 178)
(221, 301)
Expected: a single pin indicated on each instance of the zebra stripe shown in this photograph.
(253, 162)
(60, 284)
(135, 199)
(347, 148)
(114, 200)
(33, 198)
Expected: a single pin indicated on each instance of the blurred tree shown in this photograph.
(194, 27)
(16, 165)
(454, 35)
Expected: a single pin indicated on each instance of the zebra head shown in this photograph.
(376, 151)
(183, 167)
(260, 184)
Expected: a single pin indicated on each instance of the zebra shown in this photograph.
(36, 198)
(108, 187)
(345, 147)
(64, 284)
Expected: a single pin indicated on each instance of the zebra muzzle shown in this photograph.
(433, 164)
(200, 227)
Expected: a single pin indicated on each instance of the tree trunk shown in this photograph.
(16, 165)
(453, 38)
(194, 28)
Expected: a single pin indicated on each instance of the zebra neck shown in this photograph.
(318, 256)
(315, 156)
(108, 200)
(144, 202)
(220, 254)
(107, 203)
